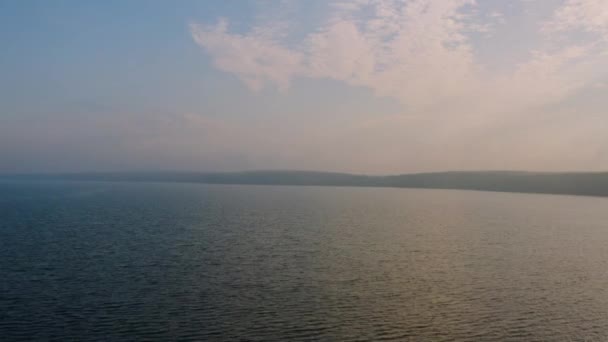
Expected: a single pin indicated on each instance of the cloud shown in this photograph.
(424, 54)
(411, 51)
(419, 52)
(583, 15)
(255, 58)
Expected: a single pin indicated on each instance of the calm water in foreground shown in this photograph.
(127, 261)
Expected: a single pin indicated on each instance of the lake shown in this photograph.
(94, 261)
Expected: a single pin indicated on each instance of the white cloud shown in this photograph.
(256, 58)
(417, 51)
(423, 53)
(585, 15)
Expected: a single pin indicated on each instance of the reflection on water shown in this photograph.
(119, 261)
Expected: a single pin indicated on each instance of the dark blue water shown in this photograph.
(143, 261)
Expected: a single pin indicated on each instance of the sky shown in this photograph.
(362, 86)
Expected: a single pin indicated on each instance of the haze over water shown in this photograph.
(126, 261)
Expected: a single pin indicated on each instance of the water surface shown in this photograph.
(126, 261)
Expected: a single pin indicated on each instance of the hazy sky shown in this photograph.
(360, 86)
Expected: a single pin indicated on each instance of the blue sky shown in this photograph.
(361, 86)
(103, 54)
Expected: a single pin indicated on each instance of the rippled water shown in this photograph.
(121, 261)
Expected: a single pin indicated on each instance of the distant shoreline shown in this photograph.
(563, 183)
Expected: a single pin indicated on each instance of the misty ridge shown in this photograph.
(567, 183)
